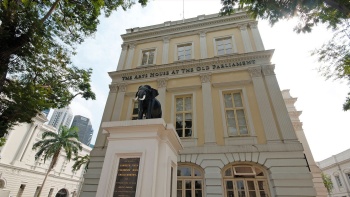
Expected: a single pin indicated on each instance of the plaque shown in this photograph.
(128, 171)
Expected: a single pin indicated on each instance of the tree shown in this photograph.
(37, 39)
(334, 55)
(80, 161)
(52, 144)
(327, 183)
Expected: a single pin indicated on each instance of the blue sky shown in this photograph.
(324, 122)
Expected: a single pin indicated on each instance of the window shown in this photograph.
(135, 110)
(184, 116)
(21, 189)
(37, 191)
(189, 181)
(184, 52)
(2, 184)
(223, 46)
(337, 179)
(245, 181)
(235, 116)
(148, 57)
(51, 191)
(348, 175)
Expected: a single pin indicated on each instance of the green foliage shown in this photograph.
(37, 39)
(80, 161)
(2, 141)
(333, 55)
(309, 12)
(327, 183)
(52, 143)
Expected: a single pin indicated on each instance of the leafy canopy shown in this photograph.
(333, 55)
(80, 161)
(51, 145)
(37, 40)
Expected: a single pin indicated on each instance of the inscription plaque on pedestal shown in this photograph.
(128, 171)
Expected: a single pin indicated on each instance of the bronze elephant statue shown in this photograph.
(148, 104)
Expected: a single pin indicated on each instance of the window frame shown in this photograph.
(184, 96)
(188, 90)
(251, 138)
(233, 43)
(191, 178)
(145, 50)
(250, 177)
(338, 181)
(183, 44)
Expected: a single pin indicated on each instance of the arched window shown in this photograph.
(190, 181)
(2, 184)
(62, 193)
(245, 181)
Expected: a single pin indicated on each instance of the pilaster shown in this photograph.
(266, 114)
(256, 36)
(246, 40)
(24, 143)
(107, 113)
(122, 57)
(209, 131)
(119, 101)
(282, 116)
(165, 56)
(162, 83)
(130, 56)
(203, 44)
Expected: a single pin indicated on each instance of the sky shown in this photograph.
(325, 124)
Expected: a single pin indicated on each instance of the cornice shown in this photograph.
(178, 29)
(193, 67)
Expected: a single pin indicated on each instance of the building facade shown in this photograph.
(218, 88)
(337, 167)
(61, 117)
(22, 175)
(85, 129)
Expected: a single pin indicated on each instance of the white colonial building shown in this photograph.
(21, 175)
(337, 167)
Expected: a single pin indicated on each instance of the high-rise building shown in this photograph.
(85, 129)
(217, 86)
(61, 117)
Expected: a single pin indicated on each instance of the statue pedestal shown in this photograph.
(141, 159)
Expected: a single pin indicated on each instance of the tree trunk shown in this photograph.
(52, 164)
(4, 66)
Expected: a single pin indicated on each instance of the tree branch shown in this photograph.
(53, 7)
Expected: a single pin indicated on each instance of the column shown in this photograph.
(107, 113)
(256, 36)
(119, 102)
(265, 109)
(162, 82)
(130, 56)
(165, 56)
(209, 131)
(246, 40)
(203, 44)
(122, 57)
(283, 119)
